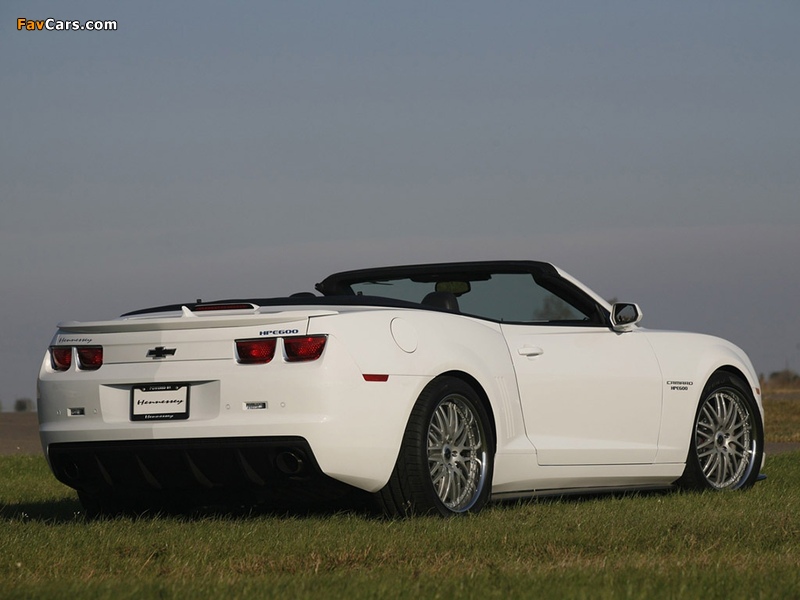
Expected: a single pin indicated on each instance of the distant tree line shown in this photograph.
(22, 405)
(784, 378)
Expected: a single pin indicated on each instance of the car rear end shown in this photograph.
(226, 400)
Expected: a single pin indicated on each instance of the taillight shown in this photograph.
(300, 349)
(224, 306)
(61, 357)
(375, 377)
(255, 352)
(90, 358)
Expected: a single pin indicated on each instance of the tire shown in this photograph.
(727, 437)
(446, 457)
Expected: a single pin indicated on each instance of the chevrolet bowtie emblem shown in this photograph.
(160, 352)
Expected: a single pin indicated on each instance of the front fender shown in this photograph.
(687, 362)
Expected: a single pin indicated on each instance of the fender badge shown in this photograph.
(680, 386)
(160, 352)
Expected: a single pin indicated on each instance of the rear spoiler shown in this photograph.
(190, 320)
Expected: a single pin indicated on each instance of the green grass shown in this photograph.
(782, 414)
(729, 545)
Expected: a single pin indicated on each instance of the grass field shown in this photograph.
(782, 414)
(666, 545)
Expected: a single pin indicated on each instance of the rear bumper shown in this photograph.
(258, 468)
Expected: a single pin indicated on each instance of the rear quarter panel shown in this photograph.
(434, 343)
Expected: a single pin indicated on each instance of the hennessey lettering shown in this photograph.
(73, 340)
(141, 402)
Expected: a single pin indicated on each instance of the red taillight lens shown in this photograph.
(90, 358)
(299, 349)
(228, 306)
(375, 377)
(255, 352)
(61, 357)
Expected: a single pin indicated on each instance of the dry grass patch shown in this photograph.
(782, 413)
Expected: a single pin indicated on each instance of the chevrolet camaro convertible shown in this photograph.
(429, 388)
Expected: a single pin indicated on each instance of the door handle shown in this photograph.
(530, 351)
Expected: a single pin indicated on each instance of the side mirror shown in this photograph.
(625, 316)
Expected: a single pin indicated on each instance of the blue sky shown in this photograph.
(223, 149)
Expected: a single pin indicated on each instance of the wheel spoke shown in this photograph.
(458, 484)
(710, 465)
(437, 475)
(707, 452)
(704, 442)
(437, 426)
(451, 420)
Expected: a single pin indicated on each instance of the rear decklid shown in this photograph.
(184, 335)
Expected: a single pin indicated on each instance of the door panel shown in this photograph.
(590, 396)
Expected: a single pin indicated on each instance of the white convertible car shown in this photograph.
(434, 388)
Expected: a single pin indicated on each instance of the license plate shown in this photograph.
(160, 402)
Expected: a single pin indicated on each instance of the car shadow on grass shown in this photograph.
(67, 510)
(581, 496)
(70, 510)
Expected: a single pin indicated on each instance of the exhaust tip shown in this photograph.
(289, 462)
(71, 470)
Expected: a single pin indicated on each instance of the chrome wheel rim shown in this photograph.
(724, 439)
(457, 453)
